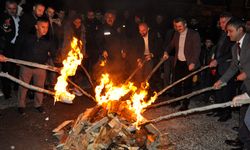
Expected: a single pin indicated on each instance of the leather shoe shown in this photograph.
(225, 117)
(235, 143)
(21, 110)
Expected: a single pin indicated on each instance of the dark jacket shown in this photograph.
(192, 47)
(7, 30)
(110, 40)
(223, 53)
(35, 49)
(244, 64)
(153, 44)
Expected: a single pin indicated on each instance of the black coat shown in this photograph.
(7, 30)
(153, 44)
(223, 53)
(110, 40)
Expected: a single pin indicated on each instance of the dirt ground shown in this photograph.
(34, 130)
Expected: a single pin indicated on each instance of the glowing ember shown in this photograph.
(106, 92)
(70, 65)
(103, 63)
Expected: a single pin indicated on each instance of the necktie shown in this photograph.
(238, 50)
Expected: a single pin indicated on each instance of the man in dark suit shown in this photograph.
(187, 45)
(240, 63)
(222, 61)
(110, 45)
(146, 49)
(8, 33)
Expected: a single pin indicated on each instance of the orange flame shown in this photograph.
(70, 65)
(107, 92)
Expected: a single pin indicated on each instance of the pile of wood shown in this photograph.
(100, 129)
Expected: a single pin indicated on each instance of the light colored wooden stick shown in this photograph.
(87, 74)
(26, 85)
(79, 88)
(32, 64)
(187, 96)
(182, 79)
(194, 110)
(154, 70)
(134, 72)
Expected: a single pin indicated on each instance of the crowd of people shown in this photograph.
(126, 42)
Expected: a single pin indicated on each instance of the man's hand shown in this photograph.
(217, 84)
(124, 54)
(213, 63)
(139, 63)
(236, 100)
(242, 76)
(148, 57)
(191, 67)
(3, 58)
(165, 56)
(105, 54)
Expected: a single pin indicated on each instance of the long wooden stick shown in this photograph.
(182, 79)
(79, 88)
(134, 72)
(26, 85)
(32, 64)
(194, 110)
(154, 70)
(87, 74)
(185, 96)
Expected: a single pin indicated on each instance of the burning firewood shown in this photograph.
(194, 110)
(111, 132)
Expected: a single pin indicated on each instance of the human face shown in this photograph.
(77, 23)
(143, 29)
(110, 19)
(50, 12)
(11, 8)
(208, 43)
(42, 28)
(233, 33)
(180, 26)
(223, 22)
(39, 10)
(91, 15)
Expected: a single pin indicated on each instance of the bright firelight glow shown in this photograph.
(106, 92)
(70, 65)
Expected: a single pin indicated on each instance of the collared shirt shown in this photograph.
(240, 44)
(146, 51)
(16, 21)
(182, 39)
